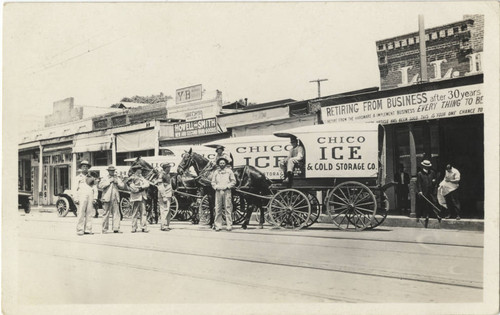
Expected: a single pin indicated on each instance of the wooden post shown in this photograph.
(413, 170)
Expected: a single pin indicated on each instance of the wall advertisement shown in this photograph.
(341, 154)
(451, 102)
(196, 128)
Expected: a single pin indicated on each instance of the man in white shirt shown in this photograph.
(223, 181)
(85, 196)
(295, 157)
(451, 179)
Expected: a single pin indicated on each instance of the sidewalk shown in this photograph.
(390, 221)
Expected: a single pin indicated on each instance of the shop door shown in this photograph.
(61, 179)
(463, 146)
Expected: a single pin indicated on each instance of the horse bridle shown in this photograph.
(192, 162)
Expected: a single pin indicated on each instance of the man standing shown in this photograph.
(223, 181)
(222, 154)
(85, 197)
(452, 178)
(295, 156)
(164, 199)
(426, 180)
(403, 180)
(111, 198)
(137, 186)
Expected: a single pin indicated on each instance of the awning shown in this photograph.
(136, 141)
(29, 146)
(58, 147)
(93, 144)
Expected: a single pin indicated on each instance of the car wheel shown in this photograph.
(62, 206)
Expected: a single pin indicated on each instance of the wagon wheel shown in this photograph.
(289, 209)
(239, 209)
(315, 209)
(381, 214)
(174, 207)
(204, 210)
(351, 205)
(126, 207)
(185, 211)
(266, 215)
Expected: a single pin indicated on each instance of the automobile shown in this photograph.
(65, 202)
(24, 200)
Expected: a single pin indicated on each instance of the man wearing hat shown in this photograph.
(221, 154)
(222, 181)
(111, 198)
(85, 196)
(137, 186)
(295, 156)
(426, 181)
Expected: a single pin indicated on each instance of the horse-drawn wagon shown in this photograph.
(340, 176)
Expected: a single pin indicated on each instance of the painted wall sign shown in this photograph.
(209, 107)
(195, 128)
(451, 102)
(263, 152)
(188, 94)
(341, 153)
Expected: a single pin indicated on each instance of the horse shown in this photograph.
(248, 179)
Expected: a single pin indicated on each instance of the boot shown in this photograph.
(288, 179)
(426, 223)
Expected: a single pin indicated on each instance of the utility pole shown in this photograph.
(319, 85)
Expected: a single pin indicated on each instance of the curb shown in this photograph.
(390, 221)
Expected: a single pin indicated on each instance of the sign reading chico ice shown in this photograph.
(341, 153)
(459, 101)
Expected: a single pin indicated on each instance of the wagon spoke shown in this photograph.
(364, 204)
(347, 199)
(344, 200)
(364, 209)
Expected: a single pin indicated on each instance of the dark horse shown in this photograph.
(248, 179)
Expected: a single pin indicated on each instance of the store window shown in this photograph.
(142, 153)
(24, 173)
(120, 158)
(101, 158)
(426, 137)
(61, 179)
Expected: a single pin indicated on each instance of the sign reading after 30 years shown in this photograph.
(459, 101)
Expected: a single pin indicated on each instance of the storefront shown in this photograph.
(442, 122)
(195, 132)
(56, 166)
(135, 144)
(96, 147)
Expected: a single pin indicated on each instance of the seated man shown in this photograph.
(295, 157)
(222, 154)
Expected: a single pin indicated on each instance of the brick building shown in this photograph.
(453, 50)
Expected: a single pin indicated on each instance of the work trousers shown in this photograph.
(111, 208)
(139, 212)
(453, 203)
(85, 212)
(165, 213)
(288, 165)
(223, 197)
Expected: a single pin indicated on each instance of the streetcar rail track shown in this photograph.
(358, 270)
(300, 233)
(218, 278)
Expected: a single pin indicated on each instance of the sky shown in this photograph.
(99, 53)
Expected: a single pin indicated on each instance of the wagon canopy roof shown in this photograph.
(327, 128)
(242, 140)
